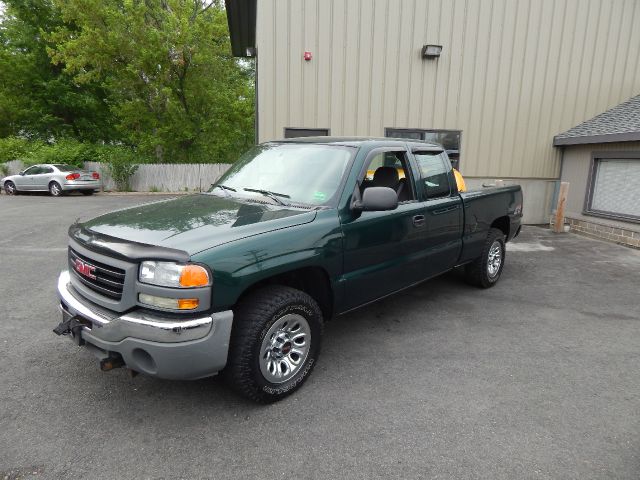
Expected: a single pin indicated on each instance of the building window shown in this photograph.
(449, 139)
(612, 189)
(294, 132)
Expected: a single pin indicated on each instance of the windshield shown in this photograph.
(294, 173)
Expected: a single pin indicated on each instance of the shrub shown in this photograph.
(120, 162)
(67, 151)
(17, 148)
(4, 170)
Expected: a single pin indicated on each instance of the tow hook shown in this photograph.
(70, 326)
(110, 363)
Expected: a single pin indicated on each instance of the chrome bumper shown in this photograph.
(113, 327)
(151, 343)
(82, 185)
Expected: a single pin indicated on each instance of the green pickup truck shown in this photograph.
(239, 280)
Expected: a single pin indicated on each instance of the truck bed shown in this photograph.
(481, 207)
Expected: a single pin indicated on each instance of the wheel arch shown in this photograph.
(503, 224)
(4, 182)
(313, 280)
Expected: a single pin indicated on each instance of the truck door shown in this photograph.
(382, 250)
(442, 210)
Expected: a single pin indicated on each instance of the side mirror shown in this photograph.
(22, 173)
(376, 199)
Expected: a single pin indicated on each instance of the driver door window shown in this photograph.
(390, 169)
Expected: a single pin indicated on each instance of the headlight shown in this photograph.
(170, 274)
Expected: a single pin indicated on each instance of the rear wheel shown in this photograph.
(87, 192)
(55, 189)
(275, 342)
(10, 188)
(485, 271)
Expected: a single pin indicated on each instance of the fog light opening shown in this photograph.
(144, 361)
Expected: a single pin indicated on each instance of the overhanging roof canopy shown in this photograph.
(241, 16)
(619, 124)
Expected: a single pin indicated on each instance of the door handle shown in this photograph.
(418, 221)
(445, 210)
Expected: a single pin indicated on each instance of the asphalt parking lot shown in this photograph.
(538, 377)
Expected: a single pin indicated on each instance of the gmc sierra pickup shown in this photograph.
(239, 280)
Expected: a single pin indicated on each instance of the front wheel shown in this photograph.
(485, 271)
(10, 188)
(275, 343)
(55, 189)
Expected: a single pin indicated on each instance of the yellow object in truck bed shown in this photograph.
(459, 178)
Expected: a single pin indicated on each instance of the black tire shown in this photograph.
(254, 316)
(87, 193)
(55, 189)
(10, 188)
(482, 272)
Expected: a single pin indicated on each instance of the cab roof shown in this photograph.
(361, 141)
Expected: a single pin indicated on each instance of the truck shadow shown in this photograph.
(353, 345)
(406, 313)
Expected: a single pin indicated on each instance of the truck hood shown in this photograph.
(196, 222)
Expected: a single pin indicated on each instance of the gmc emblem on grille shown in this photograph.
(84, 269)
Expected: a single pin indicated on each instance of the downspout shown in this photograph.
(255, 98)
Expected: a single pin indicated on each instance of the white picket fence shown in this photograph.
(165, 177)
(157, 177)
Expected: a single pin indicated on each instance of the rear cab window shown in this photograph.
(434, 173)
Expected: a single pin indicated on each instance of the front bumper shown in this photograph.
(159, 345)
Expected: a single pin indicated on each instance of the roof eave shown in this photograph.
(241, 17)
(559, 141)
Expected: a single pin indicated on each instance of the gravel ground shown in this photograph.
(538, 377)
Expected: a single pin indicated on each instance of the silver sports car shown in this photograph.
(55, 178)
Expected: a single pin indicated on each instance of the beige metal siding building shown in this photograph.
(511, 74)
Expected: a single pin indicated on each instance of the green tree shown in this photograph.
(37, 98)
(173, 87)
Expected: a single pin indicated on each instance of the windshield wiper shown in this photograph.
(272, 195)
(224, 187)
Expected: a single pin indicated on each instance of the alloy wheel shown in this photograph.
(495, 259)
(284, 348)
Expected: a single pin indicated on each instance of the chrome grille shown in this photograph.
(108, 281)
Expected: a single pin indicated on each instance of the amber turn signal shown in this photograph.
(194, 276)
(187, 303)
